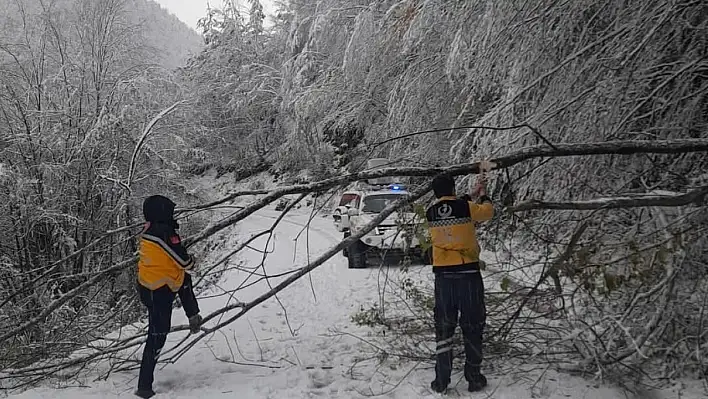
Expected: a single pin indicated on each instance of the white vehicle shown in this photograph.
(397, 234)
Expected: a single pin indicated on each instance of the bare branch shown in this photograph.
(625, 147)
(322, 259)
(146, 132)
(691, 197)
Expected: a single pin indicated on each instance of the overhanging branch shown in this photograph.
(625, 147)
(691, 197)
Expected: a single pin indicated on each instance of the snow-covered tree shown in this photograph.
(79, 81)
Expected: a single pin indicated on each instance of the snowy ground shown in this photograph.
(307, 347)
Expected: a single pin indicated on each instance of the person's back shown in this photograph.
(162, 275)
(163, 260)
(454, 236)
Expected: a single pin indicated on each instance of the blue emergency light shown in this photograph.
(395, 187)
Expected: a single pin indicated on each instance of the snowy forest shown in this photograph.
(594, 114)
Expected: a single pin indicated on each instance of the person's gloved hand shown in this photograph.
(486, 166)
(480, 188)
(194, 323)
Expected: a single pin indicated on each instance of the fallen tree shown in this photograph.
(52, 367)
(542, 151)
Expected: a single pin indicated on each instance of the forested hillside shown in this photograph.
(163, 39)
(600, 233)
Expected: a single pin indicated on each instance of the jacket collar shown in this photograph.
(446, 198)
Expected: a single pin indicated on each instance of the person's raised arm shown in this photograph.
(482, 209)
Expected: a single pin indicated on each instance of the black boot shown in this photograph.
(145, 393)
(477, 383)
(438, 386)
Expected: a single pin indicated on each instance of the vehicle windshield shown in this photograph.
(376, 203)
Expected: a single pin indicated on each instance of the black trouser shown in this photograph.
(159, 305)
(463, 293)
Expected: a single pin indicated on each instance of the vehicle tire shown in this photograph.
(337, 216)
(426, 256)
(345, 251)
(357, 256)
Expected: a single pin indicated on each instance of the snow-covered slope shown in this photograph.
(302, 345)
(168, 41)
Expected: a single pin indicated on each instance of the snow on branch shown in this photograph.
(622, 147)
(143, 137)
(66, 298)
(691, 197)
(57, 264)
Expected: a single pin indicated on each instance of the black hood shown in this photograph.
(159, 209)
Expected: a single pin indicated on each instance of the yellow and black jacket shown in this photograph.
(453, 234)
(163, 258)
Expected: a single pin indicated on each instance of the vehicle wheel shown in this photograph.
(345, 251)
(357, 256)
(426, 256)
(337, 216)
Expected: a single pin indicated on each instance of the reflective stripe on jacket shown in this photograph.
(453, 234)
(163, 259)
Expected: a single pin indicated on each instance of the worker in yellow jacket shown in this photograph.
(458, 282)
(161, 276)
